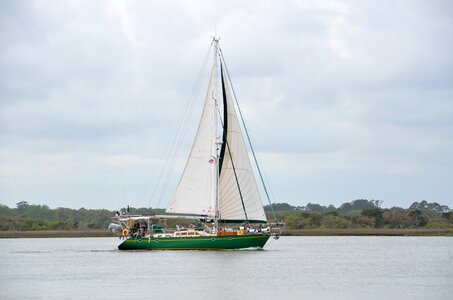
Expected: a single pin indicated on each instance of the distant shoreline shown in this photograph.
(299, 232)
(368, 232)
(56, 234)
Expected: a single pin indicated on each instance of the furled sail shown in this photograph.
(239, 198)
(196, 191)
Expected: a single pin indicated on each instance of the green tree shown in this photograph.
(21, 207)
(374, 213)
(417, 217)
(315, 208)
(363, 221)
(359, 204)
(396, 218)
(6, 211)
(39, 212)
(425, 205)
(334, 221)
(448, 216)
(280, 207)
(293, 222)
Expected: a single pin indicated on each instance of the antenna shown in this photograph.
(215, 38)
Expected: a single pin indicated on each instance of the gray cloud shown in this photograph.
(344, 99)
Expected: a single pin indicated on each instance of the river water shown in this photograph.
(290, 268)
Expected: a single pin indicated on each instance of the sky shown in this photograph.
(344, 99)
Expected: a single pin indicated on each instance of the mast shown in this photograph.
(218, 143)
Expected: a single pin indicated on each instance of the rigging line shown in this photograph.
(229, 151)
(172, 143)
(248, 137)
(152, 177)
(181, 120)
(173, 162)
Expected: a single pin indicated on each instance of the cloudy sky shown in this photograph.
(344, 99)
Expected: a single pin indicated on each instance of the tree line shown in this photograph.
(32, 217)
(360, 213)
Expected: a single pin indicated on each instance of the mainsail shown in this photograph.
(196, 191)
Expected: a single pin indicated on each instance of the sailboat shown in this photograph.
(217, 190)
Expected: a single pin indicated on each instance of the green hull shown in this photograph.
(195, 243)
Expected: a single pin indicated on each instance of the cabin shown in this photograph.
(188, 233)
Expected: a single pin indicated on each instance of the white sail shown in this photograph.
(196, 191)
(237, 184)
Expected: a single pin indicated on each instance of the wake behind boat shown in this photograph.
(217, 190)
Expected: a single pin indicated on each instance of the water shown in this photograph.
(290, 268)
